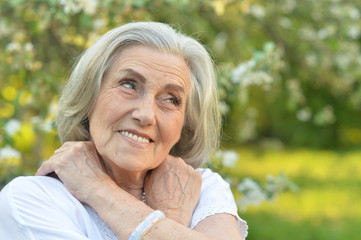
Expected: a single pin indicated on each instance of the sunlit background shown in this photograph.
(289, 76)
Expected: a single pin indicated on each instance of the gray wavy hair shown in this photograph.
(201, 129)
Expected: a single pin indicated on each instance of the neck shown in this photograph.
(131, 182)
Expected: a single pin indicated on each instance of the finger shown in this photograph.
(65, 147)
(88, 152)
(45, 169)
(90, 163)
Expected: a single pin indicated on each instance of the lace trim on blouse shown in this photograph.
(104, 229)
(219, 208)
(108, 234)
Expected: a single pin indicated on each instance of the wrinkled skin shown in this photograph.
(173, 187)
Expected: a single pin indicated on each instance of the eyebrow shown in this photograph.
(176, 87)
(139, 76)
(135, 74)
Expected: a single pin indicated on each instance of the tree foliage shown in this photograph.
(288, 71)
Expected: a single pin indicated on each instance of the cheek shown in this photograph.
(100, 120)
(105, 109)
(172, 130)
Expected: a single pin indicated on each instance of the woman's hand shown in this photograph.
(174, 188)
(78, 166)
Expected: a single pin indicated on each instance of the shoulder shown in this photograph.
(215, 187)
(31, 188)
(209, 179)
(41, 200)
(29, 183)
(216, 197)
(35, 189)
(215, 190)
(26, 197)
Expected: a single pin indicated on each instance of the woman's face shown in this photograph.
(139, 113)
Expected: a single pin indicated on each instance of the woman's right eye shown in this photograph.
(128, 84)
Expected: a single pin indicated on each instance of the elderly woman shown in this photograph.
(137, 116)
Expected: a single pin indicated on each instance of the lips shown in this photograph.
(136, 137)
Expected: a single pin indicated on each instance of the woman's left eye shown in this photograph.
(173, 100)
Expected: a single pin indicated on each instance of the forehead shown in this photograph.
(152, 64)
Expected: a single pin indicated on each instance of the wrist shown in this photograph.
(178, 216)
(143, 228)
(101, 194)
(113, 205)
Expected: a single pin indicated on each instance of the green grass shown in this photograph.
(328, 205)
(271, 227)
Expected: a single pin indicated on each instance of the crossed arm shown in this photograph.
(173, 187)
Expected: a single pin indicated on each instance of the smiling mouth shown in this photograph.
(136, 137)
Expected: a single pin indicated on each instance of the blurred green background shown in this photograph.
(289, 78)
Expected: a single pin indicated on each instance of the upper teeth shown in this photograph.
(135, 137)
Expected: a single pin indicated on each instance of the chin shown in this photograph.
(133, 166)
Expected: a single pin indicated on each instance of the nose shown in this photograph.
(144, 111)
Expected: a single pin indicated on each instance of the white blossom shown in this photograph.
(247, 184)
(328, 31)
(311, 59)
(342, 60)
(252, 193)
(239, 73)
(258, 11)
(4, 29)
(328, 113)
(12, 126)
(218, 154)
(285, 22)
(289, 6)
(326, 116)
(304, 114)
(323, 33)
(99, 23)
(89, 6)
(28, 47)
(70, 6)
(354, 13)
(223, 108)
(8, 152)
(75, 6)
(229, 158)
(261, 77)
(13, 47)
(336, 10)
(307, 33)
(353, 32)
(53, 107)
(295, 91)
(47, 125)
(331, 29)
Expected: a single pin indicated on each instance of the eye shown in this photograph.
(174, 100)
(128, 84)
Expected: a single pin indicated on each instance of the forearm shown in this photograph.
(123, 213)
(170, 229)
(118, 209)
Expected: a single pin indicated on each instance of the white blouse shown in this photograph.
(37, 207)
